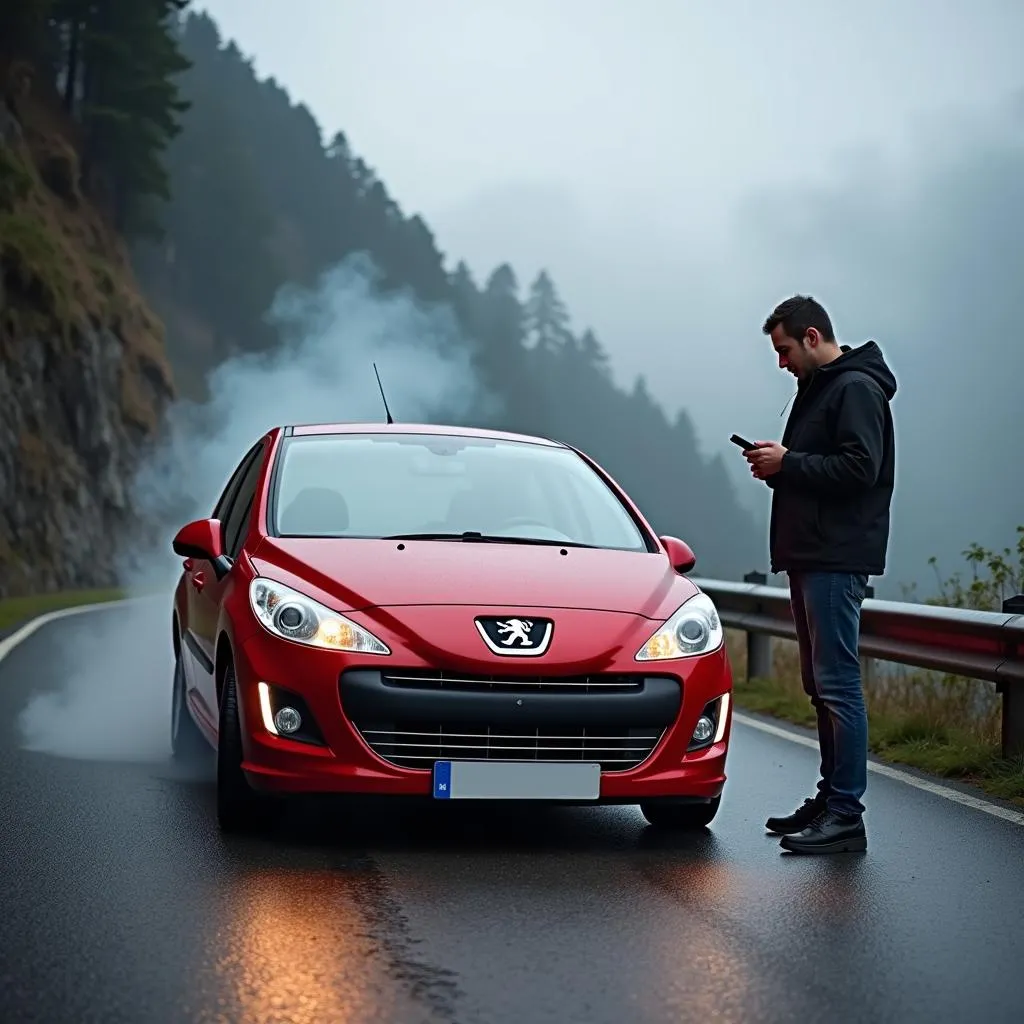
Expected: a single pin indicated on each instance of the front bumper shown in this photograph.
(380, 723)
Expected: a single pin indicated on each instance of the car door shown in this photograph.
(206, 592)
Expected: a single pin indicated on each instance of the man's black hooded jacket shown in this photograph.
(831, 499)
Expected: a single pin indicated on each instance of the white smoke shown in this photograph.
(113, 672)
(322, 371)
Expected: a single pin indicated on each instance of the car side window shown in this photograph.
(239, 515)
(227, 495)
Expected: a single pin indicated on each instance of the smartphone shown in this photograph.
(742, 442)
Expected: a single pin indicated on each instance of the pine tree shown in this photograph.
(115, 62)
(593, 354)
(546, 317)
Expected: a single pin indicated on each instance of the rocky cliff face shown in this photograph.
(84, 378)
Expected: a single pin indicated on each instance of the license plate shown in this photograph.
(511, 780)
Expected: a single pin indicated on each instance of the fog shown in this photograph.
(924, 255)
(680, 168)
(323, 371)
(922, 252)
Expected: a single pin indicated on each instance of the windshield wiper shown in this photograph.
(474, 536)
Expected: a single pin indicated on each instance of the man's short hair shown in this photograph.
(797, 315)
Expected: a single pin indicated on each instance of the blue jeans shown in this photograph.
(826, 612)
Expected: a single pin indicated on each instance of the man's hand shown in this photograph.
(766, 459)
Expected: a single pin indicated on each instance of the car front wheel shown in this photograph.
(239, 807)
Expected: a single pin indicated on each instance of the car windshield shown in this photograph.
(403, 485)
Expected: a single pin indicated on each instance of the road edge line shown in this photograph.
(23, 632)
(935, 788)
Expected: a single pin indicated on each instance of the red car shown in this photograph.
(444, 612)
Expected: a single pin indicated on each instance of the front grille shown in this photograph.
(413, 717)
(441, 679)
(419, 744)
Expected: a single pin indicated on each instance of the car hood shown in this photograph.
(367, 573)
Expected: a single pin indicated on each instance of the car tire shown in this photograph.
(680, 815)
(239, 807)
(188, 744)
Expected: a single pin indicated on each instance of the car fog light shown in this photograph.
(705, 727)
(287, 720)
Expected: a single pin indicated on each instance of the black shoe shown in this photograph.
(799, 819)
(829, 833)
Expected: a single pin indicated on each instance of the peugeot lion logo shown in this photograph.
(515, 635)
(516, 629)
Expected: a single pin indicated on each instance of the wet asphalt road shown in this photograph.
(121, 901)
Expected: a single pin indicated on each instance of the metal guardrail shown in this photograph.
(958, 641)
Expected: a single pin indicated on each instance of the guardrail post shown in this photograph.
(759, 645)
(1013, 697)
(867, 665)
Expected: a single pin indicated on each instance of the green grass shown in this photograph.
(15, 178)
(58, 265)
(945, 726)
(37, 261)
(16, 610)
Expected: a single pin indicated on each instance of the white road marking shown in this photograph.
(7, 645)
(893, 773)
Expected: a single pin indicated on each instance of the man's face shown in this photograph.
(796, 357)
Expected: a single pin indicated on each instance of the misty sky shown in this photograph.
(680, 167)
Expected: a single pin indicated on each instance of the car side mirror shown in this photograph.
(203, 538)
(680, 554)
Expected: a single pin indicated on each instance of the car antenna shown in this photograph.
(381, 386)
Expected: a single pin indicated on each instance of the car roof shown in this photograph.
(312, 429)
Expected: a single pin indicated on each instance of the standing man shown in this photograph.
(832, 482)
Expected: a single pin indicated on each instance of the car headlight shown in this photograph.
(694, 629)
(293, 616)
